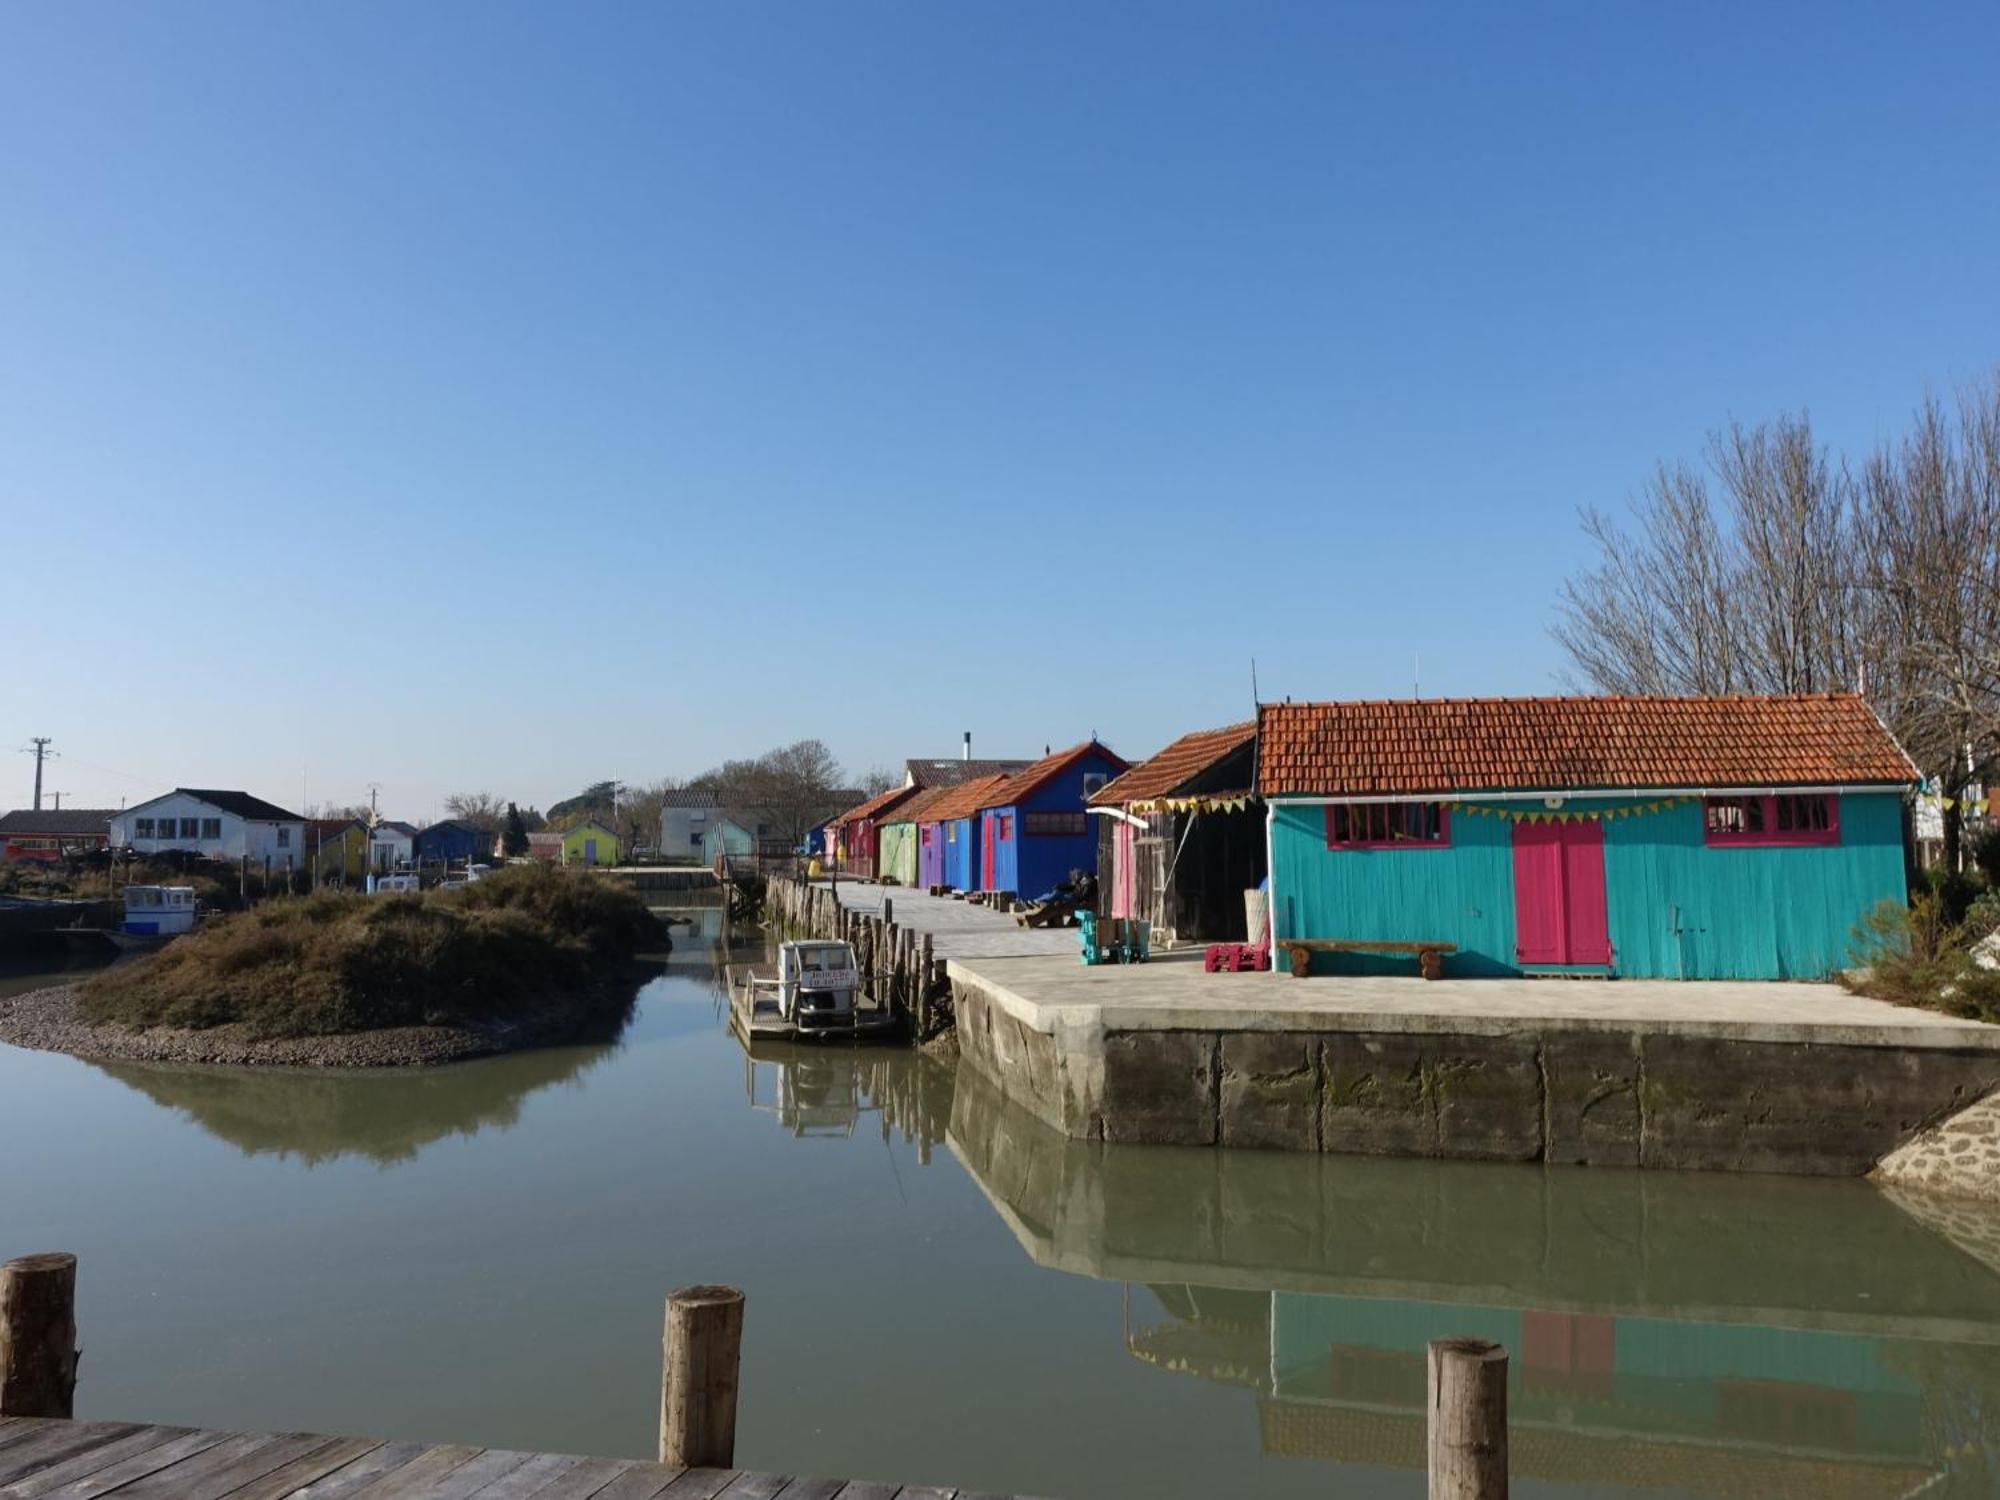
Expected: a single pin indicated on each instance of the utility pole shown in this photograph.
(58, 797)
(38, 746)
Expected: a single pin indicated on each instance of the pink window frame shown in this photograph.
(1771, 836)
(1442, 841)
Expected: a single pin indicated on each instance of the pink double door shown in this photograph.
(1560, 914)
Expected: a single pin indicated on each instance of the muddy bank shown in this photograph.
(47, 1021)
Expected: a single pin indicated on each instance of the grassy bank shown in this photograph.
(517, 944)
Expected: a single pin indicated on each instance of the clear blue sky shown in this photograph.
(507, 396)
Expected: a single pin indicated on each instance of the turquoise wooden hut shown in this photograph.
(1688, 838)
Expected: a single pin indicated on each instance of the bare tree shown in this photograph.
(1657, 614)
(482, 810)
(1804, 578)
(328, 811)
(877, 780)
(1930, 573)
(794, 788)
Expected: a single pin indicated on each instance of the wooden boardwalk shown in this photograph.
(59, 1460)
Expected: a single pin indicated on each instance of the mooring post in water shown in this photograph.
(38, 1336)
(704, 1352)
(1468, 1420)
(924, 986)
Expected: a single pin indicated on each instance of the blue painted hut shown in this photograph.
(1033, 828)
(1692, 838)
(452, 842)
(953, 830)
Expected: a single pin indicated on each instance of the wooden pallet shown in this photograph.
(56, 1460)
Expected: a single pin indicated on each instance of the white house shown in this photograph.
(685, 819)
(215, 824)
(391, 846)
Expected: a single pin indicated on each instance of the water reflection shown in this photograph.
(387, 1115)
(1717, 1335)
(827, 1089)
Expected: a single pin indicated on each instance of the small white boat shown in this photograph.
(158, 911)
(816, 992)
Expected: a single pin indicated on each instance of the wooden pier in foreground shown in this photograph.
(53, 1459)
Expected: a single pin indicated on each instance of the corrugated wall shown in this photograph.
(1463, 894)
(896, 852)
(1678, 909)
(1681, 909)
(961, 864)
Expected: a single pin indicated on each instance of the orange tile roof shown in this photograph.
(917, 809)
(1024, 783)
(1183, 760)
(879, 803)
(965, 800)
(1397, 746)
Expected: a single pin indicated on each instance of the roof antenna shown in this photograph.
(1416, 674)
(1254, 700)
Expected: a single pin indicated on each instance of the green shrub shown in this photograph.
(1984, 849)
(1954, 890)
(1914, 956)
(513, 944)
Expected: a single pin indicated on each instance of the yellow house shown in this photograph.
(337, 848)
(589, 844)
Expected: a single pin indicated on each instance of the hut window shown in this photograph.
(1785, 818)
(1387, 825)
(211, 828)
(1036, 824)
(142, 828)
(190, 828)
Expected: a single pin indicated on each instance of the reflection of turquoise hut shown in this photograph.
(1705, 1407)
(1685, 838)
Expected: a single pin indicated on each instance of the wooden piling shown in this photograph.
(701, 1363)
(38, 1336)
(1468, 1419)
(925, 984)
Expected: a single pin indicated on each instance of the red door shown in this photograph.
(986, 851)
(1560, 916)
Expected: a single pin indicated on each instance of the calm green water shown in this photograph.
(941, 1290)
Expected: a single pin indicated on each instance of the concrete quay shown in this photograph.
(1749, 1077)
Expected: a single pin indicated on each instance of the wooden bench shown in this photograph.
(1429, 956)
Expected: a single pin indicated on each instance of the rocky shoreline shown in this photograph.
(47, 1021)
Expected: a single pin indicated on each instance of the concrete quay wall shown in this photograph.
(1637, 1094)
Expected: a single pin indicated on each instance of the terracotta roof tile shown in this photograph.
(1183, 760)
(1389, 747)
(1025, 782)
(879, 803)
(963, 801)
(917, 809)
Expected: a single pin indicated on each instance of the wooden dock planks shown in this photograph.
(58, 1460)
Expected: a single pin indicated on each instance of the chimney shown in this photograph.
(966, 753)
